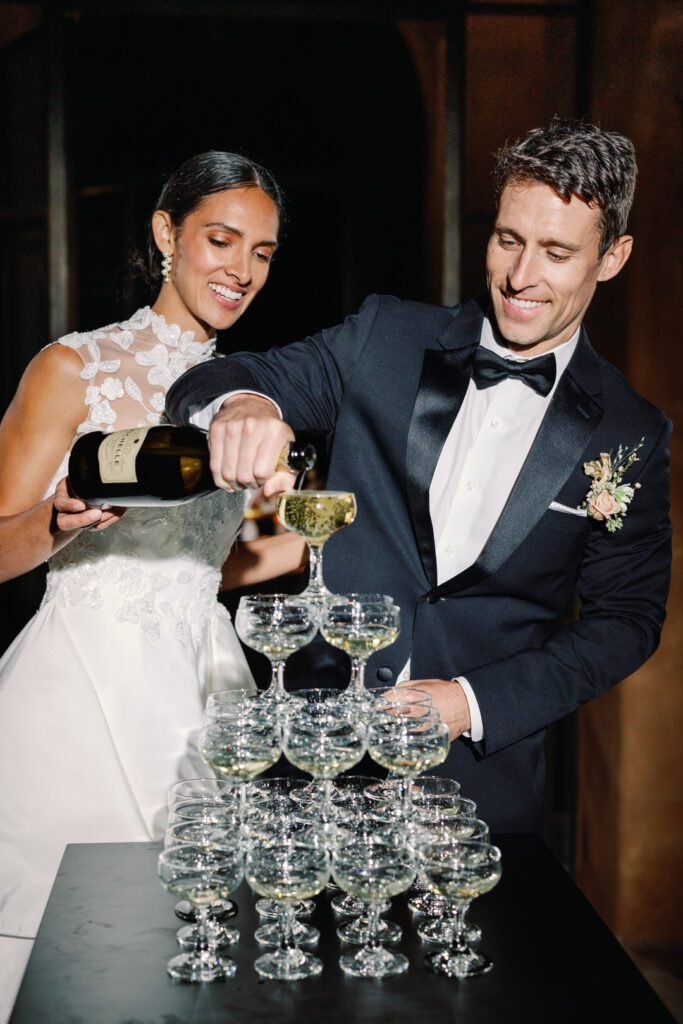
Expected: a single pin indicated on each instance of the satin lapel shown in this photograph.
(561, 440)
(444, 380)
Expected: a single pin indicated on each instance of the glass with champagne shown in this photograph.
(316, 515)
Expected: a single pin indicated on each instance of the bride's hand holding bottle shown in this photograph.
(71, 513)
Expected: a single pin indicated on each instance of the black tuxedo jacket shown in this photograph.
(386, 385)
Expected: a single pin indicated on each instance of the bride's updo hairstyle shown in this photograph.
(199, 177)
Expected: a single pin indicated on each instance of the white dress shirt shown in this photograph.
(483, 454)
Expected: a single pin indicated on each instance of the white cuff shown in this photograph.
(202, 417)
(476, 730)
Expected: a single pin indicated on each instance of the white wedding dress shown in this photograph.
(101, 695)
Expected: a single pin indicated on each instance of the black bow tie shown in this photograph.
(488, 369)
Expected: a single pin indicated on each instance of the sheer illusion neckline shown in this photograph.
(168, 334)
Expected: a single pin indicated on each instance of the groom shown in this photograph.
(473, 438)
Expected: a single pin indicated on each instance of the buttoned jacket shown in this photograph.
(386, 386)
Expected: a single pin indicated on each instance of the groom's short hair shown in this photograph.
(575, 158)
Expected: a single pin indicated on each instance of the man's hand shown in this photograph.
(448, 698)
(246, 438)
(69, 513)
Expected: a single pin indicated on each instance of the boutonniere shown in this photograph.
(608, 498)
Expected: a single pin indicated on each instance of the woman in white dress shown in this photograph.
(101, 694)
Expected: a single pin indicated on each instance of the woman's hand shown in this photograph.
(70, 513)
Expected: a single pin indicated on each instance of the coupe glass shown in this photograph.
(366, 821)
(240, 741)
(383, 698)
(288, 871)
(270, 811)
(439, 924)
(373, 868)
(359, 624)
(207, 800)
(205, 833)
(275, 625)
(460, 870)
(201, 875)
(325, 739)
(230, 698)
(316, 515)
(407, 742)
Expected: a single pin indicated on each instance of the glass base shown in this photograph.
(467, 964)
(309, 795)
(188, 967)
(437, 930)
(221, 910)
(385, 791)
(271, 908)
(219, 936)
(353, 907)
(373, 963)
(288, 965)
(428, 903)
(271, 934)
(356, 931)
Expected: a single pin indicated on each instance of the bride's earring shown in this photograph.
(166, 264)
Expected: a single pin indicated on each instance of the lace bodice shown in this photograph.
(158, 568)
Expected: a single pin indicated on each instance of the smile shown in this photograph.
(226, 293)
(523, 303)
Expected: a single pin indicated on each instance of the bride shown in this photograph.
(101, 694)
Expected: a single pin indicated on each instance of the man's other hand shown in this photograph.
(448, 698)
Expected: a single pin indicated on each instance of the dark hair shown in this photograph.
(575, 158)
(186, 188)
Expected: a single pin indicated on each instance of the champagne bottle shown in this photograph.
(161, 465)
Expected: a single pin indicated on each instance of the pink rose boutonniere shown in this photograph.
(608, 498)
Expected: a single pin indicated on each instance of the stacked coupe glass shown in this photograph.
(366, 839)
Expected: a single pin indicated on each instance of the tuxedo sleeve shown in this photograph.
(306, 379)
(623, 585)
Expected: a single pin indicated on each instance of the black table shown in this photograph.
(109, 929)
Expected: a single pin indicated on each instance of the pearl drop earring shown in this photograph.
(166, 264)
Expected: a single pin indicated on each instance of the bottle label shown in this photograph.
(117, 454)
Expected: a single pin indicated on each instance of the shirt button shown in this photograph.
(471, 485)
(449, 549)
(494, 423)
(385, 675)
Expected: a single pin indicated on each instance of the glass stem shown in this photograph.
(357, 677)
(287, 919)
(373, 913)
(454, 920)
(203, 949)
(278, 681)
(316, 584)
(327, 813)
(407, 799)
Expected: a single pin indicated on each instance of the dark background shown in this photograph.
(380, 120)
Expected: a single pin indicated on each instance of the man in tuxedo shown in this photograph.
(473, 439)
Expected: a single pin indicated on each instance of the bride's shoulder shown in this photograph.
(51, 386)
(67, 362)
(54, 363)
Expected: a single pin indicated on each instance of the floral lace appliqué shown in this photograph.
(157, 569)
